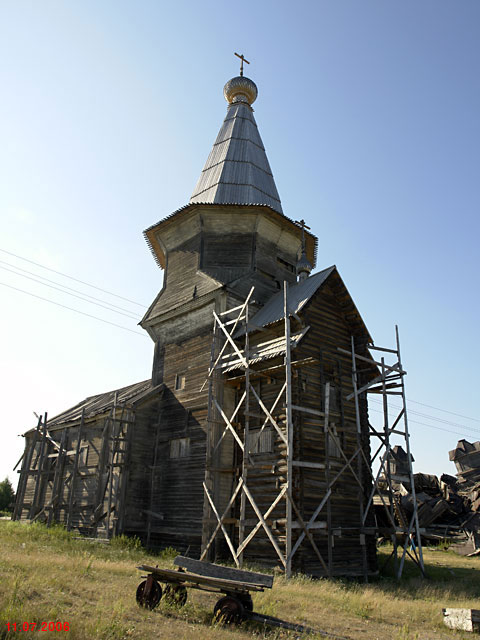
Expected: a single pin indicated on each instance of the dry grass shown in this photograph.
(46, 575)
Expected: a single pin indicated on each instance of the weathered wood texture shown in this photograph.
(339, 532)
(177, 496)
(226, 573)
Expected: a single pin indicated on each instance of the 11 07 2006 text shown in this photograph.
(40, 626)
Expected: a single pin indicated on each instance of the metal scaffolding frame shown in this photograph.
(232, 326)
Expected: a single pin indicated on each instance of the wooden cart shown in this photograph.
(236, 585)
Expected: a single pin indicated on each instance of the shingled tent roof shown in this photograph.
(237, 169)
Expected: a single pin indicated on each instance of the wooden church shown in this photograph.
(249, 442)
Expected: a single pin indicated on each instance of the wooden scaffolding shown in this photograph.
(403, 529)
(56, 483)
(223, 524)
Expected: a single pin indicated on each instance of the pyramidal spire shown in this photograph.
(237, 170)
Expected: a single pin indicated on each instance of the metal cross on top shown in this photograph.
(243, 59)
(304, 226)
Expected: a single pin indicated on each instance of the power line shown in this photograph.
(32, 273)
(72, 309)
(144, 307)
(71, 277)
(98, 304)
(424, 424)
(429, 417)
(459, 415)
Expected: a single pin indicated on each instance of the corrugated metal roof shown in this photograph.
(237, 169)
(263, 351)
(103, 402)
(298, 296)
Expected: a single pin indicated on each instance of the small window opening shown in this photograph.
(333, 399)
(287, 265)
(179, 448)
(179, 381)
(83, 456)
(334, 443)
(260, 444)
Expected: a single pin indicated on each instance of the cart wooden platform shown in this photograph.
(236, 586)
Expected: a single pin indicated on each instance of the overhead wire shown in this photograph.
(68, 293)
(429, 417)
(116, 309)
(459, 415)
(64, 286)
(10, 253)
(424, 424)
(72, 309)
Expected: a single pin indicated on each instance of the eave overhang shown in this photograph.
(311, 241)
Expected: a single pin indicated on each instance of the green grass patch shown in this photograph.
(50, 575)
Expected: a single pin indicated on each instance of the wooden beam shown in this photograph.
(38, 480)
(225, 573)
(74, 474)
(17, 513)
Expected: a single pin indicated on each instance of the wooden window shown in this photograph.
(333, 400)
(262, 444)
(179, 381)
(83, 456)
(333, 447)
(179, 448)
(287, 265)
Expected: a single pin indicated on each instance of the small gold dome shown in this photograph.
(240, 89)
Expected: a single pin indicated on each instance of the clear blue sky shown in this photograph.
(369, 112)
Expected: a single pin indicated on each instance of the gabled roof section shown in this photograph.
(103, 402)
(300, 294)
(237, 170)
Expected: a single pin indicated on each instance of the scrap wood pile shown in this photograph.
(447, 510)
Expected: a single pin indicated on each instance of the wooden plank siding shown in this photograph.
(177, 498)
(339, 537)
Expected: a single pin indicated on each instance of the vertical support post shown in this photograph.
(418, 539)
(38, 480)
(113, 442)
(129, 426)
(102, 482)
(246, 440)
(212, 428)
(359, 465)
(57, 480)
(327, 477)
(288, 401)
(71, 497)
(25, 473)
(388, 472)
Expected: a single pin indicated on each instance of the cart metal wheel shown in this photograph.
(228, 610)
(246, 600)
(175, 595)
(149, 593)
